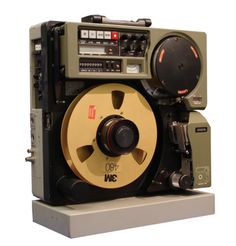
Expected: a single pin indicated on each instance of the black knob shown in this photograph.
(139, 49)
(125, 37)
(133, 38)
(143, 37)
(37, 76)
(72, 189)
(185, 182)
(126, 49)
(36, 85)
(181, 181)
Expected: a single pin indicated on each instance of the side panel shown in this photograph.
(199, 133)
(37, 149)
(42, 96)
(36, 113)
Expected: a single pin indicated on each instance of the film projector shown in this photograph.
(116, 132)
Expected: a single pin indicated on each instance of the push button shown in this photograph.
(99, 34)
(114, 35)
(92, 34)
(107, 35)
(84, 33)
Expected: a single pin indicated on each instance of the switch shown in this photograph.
(107, 35)
(84, 33)
(92, 34)
(99, 34)
(114, 35)
(38, 47)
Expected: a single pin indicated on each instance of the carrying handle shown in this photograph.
(103, 19)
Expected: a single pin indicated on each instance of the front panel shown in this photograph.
(106, 51)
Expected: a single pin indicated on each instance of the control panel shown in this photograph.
(97, 42)
(104, 42)
(99, 65)
(133, 51)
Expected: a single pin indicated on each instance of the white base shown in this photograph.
(98, 217)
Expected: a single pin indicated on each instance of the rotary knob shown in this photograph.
(181, 181)
(133, 38)
(125, 37)
(126, 49)
(139, 49)
(143, 38)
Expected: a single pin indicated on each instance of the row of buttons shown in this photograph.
(82, 64)
(93, 34)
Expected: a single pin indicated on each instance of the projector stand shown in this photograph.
(98, 217)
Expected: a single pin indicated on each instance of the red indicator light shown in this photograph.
(161, 55)
(194, 52)
(182, 92)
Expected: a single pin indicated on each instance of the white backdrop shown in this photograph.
(216, 18)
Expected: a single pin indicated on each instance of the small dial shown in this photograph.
(125, 37)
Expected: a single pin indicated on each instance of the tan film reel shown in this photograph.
(79, 130)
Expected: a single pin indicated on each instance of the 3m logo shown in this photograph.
(92, 112)
(110, 177)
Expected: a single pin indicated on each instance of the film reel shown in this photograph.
(176, 65)
(105, 141)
